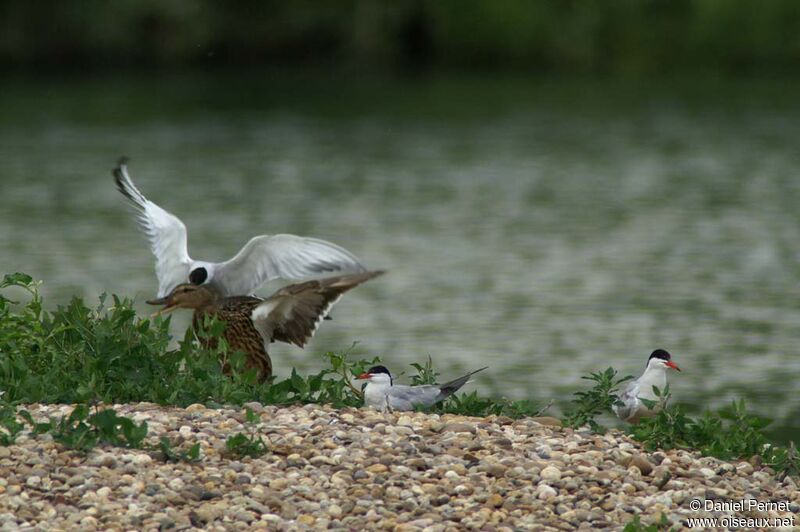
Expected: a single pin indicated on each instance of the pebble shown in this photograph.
(358, 469)
(550, 473)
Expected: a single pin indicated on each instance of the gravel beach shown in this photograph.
(359, 470)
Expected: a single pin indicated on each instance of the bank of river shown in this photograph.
(359, 469)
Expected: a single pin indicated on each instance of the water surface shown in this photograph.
(545, 228)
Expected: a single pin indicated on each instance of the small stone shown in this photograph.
(550, 473)
(548, 421)
(496, 470)
(278, 484)
(642, 463)
(255, 406)
(545, 492)
(495, 500)
(377, 468)
(89, 522)
(661, 476)
(295, 460)
(142, 459)
(459, 427)
(334, 510)
(463, 489)
(306, 519)
(404, 421)
(707, 472)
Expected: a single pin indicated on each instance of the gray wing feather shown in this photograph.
(630, 401)
(289, 257)
(451, 387)
(402, 397)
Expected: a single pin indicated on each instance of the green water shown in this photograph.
(545, 228)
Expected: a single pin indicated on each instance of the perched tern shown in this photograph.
(262, 259)
(382, 394)
(292, 314)
(655, 374)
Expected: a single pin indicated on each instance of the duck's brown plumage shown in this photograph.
(292, 314)
(240, 333)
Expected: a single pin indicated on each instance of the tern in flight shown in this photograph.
(262, 259)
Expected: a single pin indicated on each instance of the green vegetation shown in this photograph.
(729, 433)
(76, 354)
(168, 454)
(616, 36)
(252, 444)
(635, 525)
(593, 402)
(82, 431)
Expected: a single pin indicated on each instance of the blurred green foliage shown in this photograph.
(566, 36)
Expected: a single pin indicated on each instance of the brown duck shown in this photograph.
(292, 314)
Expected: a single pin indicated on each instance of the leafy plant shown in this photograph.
(595, 401)
(9, 426)
(728, 433)
(169, 454)
(635, 525)
(669, 428)
(425, 373)
(252, 444)
(82, 432)
(785, 461)
(470, 404)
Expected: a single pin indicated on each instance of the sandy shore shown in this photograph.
(358, 469)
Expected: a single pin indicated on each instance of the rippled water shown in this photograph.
(547, 229)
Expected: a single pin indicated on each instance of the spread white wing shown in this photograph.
(289, 257)
(165, 232)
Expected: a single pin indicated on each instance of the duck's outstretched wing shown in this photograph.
(289, 257)
(165, 232)
(293, 313)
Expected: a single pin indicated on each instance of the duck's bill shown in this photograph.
(161, 301)
(673, 365)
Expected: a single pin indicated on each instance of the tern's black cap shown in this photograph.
(379, 369)
(660, 353)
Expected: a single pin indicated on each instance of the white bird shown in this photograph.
(632, 408)
(262, 259)
(382, 394)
